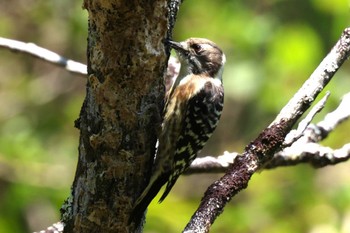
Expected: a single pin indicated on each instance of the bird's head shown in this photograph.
(200, 56)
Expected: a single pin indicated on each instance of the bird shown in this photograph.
(193, 107)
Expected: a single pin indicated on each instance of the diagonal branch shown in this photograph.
(44, 54)
(261, 150)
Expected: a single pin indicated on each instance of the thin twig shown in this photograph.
(339, 115)
(210, 164)
(70, 65)
(294, 135)
(44, 54)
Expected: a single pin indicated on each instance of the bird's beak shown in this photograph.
(177, 46)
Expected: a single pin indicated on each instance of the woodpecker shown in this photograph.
(192, 111)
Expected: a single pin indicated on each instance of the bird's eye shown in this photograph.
(197, 48)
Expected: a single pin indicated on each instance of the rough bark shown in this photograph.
(119, 118)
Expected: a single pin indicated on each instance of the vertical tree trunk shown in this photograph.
(120, 114)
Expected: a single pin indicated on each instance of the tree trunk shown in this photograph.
(121, 112)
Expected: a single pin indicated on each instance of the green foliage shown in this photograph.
(271, 48)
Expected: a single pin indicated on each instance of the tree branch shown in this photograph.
(210, 164)
(259, 152)
(303, 150)
(306, 149)
(294, 135)
(44, 54)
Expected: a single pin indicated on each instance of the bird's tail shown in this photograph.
(147, 196)
(169, 186)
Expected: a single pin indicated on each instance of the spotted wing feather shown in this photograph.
(203, 112)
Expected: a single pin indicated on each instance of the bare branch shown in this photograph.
(210, 164)
(261, 150)
(306, 149)
(44, 54)
(336, 117)
(302, 151)
(293, 135)
(73, 66)
(310, 153)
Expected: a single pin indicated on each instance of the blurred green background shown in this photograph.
(271, 48)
